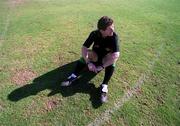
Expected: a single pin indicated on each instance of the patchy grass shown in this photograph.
(40, 41)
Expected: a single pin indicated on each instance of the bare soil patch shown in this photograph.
(21, 77)
(17, 2)
(50, 104)
(14, 3)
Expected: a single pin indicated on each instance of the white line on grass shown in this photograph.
(10, 5)
(6, 24)
(104, 117)
(3, 34)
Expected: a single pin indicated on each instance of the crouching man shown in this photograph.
(103, 55)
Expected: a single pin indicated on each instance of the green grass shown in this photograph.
(45, 37)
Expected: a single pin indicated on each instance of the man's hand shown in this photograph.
(92, 67)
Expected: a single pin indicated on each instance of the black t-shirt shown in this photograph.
(102, 46)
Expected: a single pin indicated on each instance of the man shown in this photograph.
(103, 55)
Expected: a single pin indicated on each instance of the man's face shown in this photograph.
(108, 32)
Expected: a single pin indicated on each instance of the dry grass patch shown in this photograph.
(21, 77)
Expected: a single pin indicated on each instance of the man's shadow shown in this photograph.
(52, 80)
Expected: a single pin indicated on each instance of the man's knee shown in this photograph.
(111, 67)
(92, 56)
(82, 60)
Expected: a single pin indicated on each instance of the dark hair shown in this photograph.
(104, 22)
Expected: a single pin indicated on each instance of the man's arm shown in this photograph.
(86, 45)
(84, 52)
(91, 66)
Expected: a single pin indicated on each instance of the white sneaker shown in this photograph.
(69, 80)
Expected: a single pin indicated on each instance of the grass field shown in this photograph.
(40, 42)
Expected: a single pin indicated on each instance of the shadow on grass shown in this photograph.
(52, 80)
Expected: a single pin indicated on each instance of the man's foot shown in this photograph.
(69, 80)
(104, 91)
(104, 97)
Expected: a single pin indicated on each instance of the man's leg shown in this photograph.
(104, 86)
(108, 73)
(92, 56)
(81, 64)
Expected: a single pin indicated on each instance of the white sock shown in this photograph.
(105, 88)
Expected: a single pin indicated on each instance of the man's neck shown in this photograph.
(103, 35)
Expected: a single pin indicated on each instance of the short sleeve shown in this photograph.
(89, 40)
